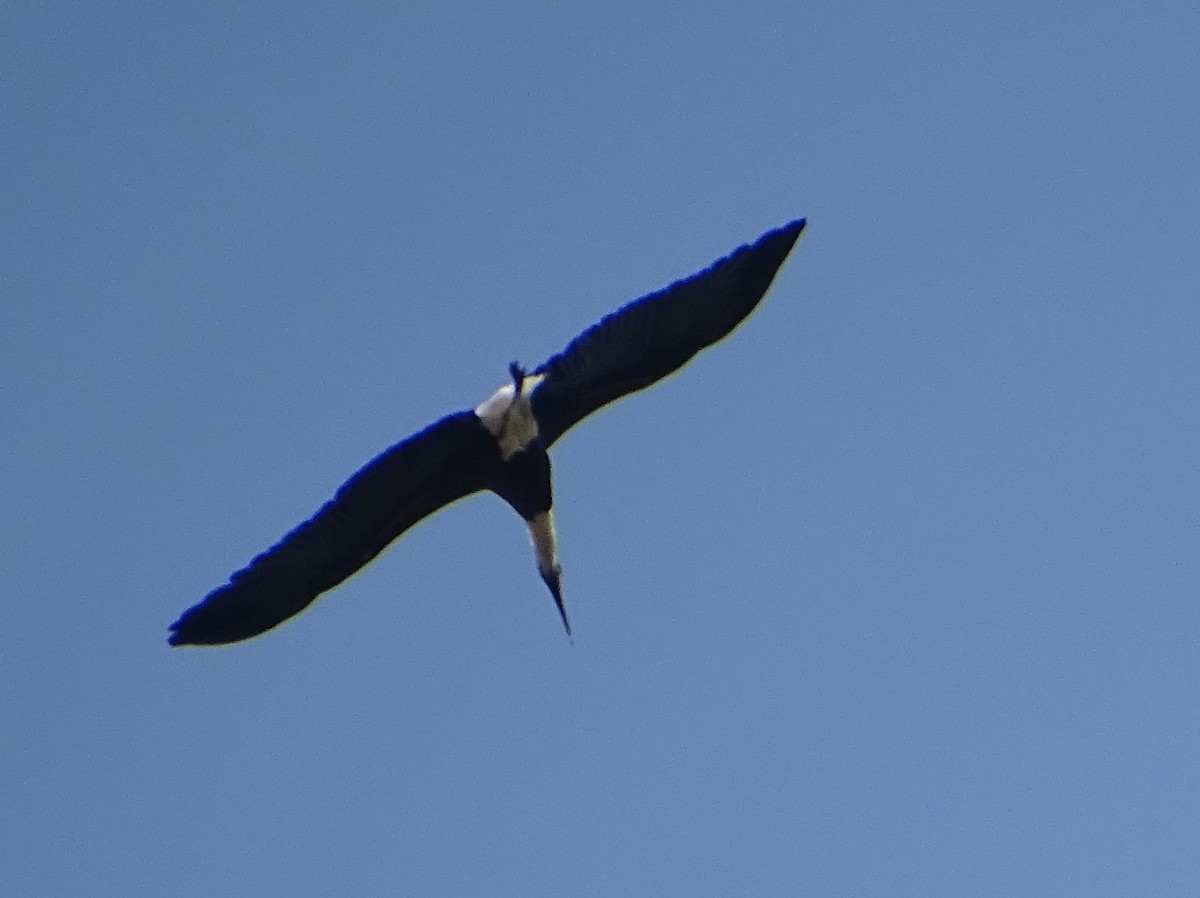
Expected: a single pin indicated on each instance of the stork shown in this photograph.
(499, 446)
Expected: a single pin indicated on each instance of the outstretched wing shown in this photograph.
(444, 462)
(651, 337)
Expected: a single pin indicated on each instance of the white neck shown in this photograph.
(509, 418)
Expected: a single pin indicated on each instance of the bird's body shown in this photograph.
(501, 445)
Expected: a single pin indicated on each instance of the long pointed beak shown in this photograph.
(553, 581)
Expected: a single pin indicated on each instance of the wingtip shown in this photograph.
(776, 245)
(771, 250)
(175, 637)
(792, 229)
(194, 627)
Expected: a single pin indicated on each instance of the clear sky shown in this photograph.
(894, 592)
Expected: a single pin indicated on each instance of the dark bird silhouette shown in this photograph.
(499, 446)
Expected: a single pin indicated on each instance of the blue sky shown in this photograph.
(891, 593)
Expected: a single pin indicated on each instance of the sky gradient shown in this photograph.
(893, 592)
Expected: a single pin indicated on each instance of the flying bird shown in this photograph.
(498, 446)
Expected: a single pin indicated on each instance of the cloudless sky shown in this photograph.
(894, 592)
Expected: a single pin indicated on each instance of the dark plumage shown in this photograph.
(500, 446)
